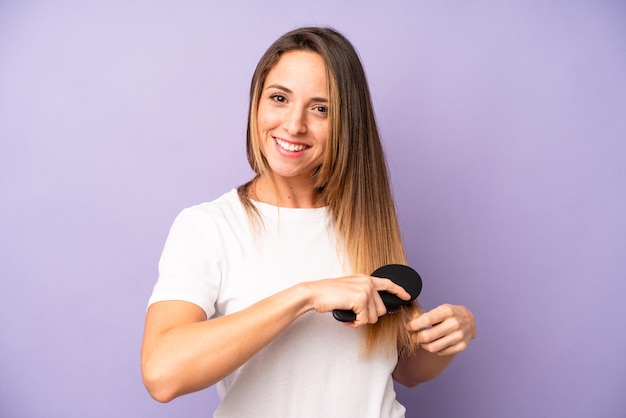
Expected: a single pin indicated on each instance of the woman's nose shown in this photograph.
(296, 122)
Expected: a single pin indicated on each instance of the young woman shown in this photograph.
(247, 282)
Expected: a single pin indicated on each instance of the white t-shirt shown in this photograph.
(214, 258)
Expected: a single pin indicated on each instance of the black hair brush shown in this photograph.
(403, 276)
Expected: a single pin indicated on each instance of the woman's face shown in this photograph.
(292, 119)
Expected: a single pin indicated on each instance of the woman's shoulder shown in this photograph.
(225, 208)
(223, 204)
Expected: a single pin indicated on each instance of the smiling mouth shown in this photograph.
(290, 147)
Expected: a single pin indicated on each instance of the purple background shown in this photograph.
(504, 124)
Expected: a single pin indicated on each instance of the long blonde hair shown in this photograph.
(353, 179)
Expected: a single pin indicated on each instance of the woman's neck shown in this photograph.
(286, 193)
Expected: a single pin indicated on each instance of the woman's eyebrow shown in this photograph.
(286, 90)
(279, 87)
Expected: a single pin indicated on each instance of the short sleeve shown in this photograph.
(189, 268)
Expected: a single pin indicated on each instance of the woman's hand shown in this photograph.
(445, 330)
(442, 333)
(356, 293)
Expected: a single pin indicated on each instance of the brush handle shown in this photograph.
(344, 315)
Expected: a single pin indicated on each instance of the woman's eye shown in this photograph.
(278, 98)
(321, 109)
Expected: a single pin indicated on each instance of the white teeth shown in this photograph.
(289, 147)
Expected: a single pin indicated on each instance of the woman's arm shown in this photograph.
(182, 352)
(443, 333)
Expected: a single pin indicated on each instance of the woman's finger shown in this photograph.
(452, 343)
